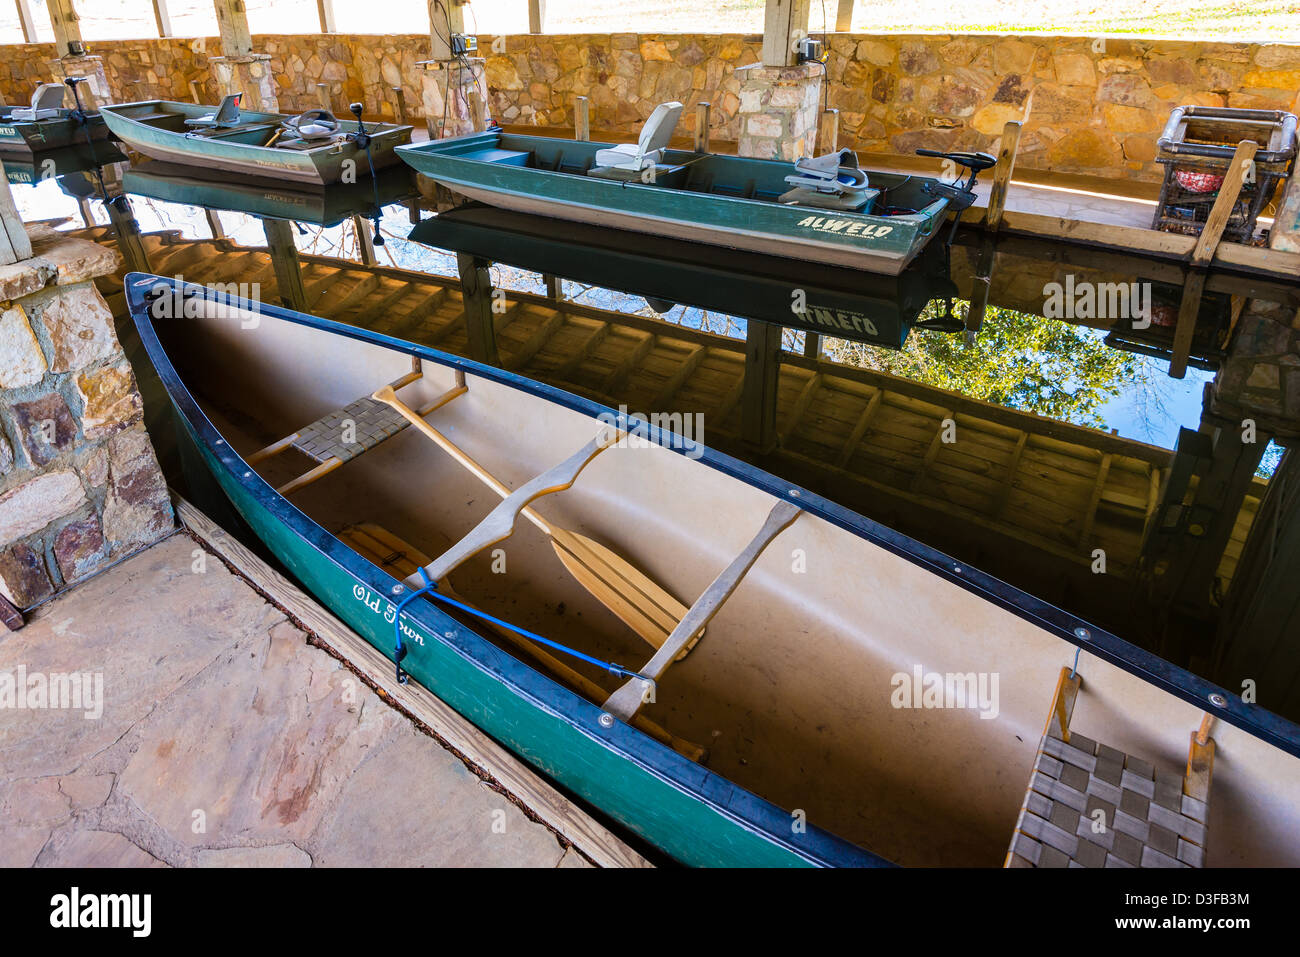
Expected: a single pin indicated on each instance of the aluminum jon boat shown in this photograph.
(824, 210)
(46, 124)
(313, 148)
(737, 670)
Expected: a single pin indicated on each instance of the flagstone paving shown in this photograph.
(226, 740)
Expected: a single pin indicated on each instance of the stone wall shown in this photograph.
(79, 484)
(1091, 105)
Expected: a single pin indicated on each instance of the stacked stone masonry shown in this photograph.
(1091, 105)
(80, 486)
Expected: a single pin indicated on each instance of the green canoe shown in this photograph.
(723, 200)
(255, 146)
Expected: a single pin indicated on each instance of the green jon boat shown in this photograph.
(46, 124)
(826, 209)
(313, 148)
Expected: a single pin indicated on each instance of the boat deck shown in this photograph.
(229, 737)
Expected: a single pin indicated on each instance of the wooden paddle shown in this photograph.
(629, 593)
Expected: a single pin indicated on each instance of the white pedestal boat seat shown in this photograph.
(649, 147)
(832, 181)
(1090, 805)
(47, 104)
(225, 115)
(309, 130)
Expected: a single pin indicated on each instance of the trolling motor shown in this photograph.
(361, 137)
(961, 194)
(81, 117)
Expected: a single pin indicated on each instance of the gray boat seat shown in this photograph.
(649, 147)
(309, 130)
(226, 114)
(834, 173)
(47, 104)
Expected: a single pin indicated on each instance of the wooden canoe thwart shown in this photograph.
(820, 622)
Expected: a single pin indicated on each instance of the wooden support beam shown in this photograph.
(67, 26)
(15, 246)
(399, 110)
(785, 22)
(812, 344)
(214, 223)
(288, 265)
(581, 118)
(932, 452)
(476, 291)
(759, 390)
(1203, 255)
(554, 287)
(673, 384)
(1009, 477)
(328, 22)
(126, 230)
(232, 22)
(844, 16)
(828, 132)
(801, 405)
(1090, 517)
(860, 427)
(162, 18)
(618, 377)
(324, 96)
(703, 119)
(26, 21)
(536, 16)
(365, 241)
(1002, 174)
(445, 18)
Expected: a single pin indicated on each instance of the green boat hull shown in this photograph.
(721, 200)
(32, 137)
(157, 129)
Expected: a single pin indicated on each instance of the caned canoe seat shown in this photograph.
(1090, 805)
(343, 434)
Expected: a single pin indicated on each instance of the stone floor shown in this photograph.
(221, 738)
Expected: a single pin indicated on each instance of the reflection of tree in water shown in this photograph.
(1020, 361)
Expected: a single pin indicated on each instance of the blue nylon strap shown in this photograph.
(430, 590)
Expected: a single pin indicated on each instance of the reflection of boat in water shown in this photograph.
(72, 166)
(321, 205)
(830, 300)
(876, 222)
(45, 124)
(795, 683)
(314, 148)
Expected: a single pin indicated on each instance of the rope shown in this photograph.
(430, 589)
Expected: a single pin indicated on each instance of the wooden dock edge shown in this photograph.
(552, 808)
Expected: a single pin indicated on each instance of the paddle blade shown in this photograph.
(629, 593)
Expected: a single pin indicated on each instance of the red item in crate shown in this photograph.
(1164, 315)
(1196, 182)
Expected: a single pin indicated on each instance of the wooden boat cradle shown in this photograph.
(1017, 485)
(1090, 805)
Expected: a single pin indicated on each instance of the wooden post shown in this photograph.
(324, 96)
(14, 244)
(828, 132)
(127, 232)
(581, 118)
(536, 16)
(194, 91)
(1203, 254)
(476, 293)
(25, 19)
(87, 214)
(812, 344)
(232, 21)
(214, 224)
(784, 23)
(1002, 175)
(758, 391)
(326, 10)
(365, 241)
(67, 26)
(288, 266)
(844, 16)
(445, 18)
(554, 287)
(400, 110)
(162, 18)
(703, 116)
